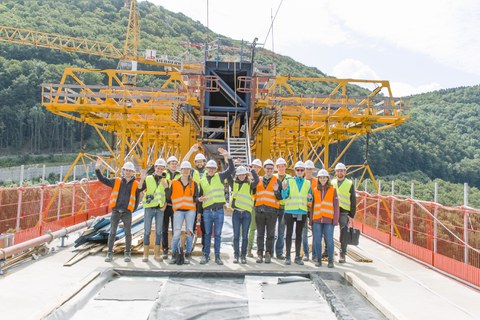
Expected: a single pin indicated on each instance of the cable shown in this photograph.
(271, 25)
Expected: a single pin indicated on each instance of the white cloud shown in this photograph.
(401, 89)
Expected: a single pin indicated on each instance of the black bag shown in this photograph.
(351, 236)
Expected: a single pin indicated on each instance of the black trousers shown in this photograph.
(265, 220)
(289, 221)
(343, 221)
(126, 217)
(167, 218)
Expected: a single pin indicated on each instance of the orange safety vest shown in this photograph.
(323, 208)
(182, 199)
(266, 196)
(116, 189)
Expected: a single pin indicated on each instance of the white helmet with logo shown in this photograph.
(257, 162)
(211, 164)
(160, 162)
(280, 161)
(340, 166)
(128, 166)
(323, 173)
(299, 164)
(267, 162)
(241, 170)
(172, 158)
(200, 157)
(309, 164)
(186, 165)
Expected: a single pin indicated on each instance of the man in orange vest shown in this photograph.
(268, 194)
(123, 201)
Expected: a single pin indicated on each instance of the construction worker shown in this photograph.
(324, 216)
(241, 201)
(348, 204)
(185, 192)
(257, 166)
(267, 205)
(197, 174)
(309, 168)
(297, 193)
(123, 201)
(154, 203)
(281, 165)
(213, 201)
(171, 174)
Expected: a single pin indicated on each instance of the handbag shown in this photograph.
(351, 236)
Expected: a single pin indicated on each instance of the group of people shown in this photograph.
(271, 204)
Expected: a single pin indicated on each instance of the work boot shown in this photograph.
(146, 252)
(235, 260)
(330, 264)
(218, 260)
(109, 257)
(249, 253)
(298, 260)
(305, 257)
(174, 259)
(268, 257)
(156, 254)
(165, 254)
(288, 261)
(204, 260)
(243, 260)
(128, 257)
(260, 258)
(343, 258)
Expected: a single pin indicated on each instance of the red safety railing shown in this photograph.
(31, 211)
(447, 238)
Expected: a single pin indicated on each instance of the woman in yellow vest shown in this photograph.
(324, 215)
(185, 193)
(242, 205)
(297, 193)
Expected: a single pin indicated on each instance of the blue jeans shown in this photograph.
(151, 213)
(243, 219)
(323, 230)
(178, 218)
(213, 220)
(280, 244)
(305, 240)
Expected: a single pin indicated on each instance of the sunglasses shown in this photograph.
(299, 170)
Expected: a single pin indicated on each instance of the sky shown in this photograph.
(418, 45)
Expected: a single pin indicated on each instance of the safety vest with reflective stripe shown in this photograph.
(243, 198)
(158, 192)
(214, 191)
(266, 196)
(323, 208)
(297, 199)
(343, 193)
(182, 198)
(116, 189)
(197, 176)
(282, 202)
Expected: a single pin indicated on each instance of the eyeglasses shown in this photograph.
(268, 168)
(299, 170)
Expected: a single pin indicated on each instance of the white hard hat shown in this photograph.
(211, 164)
(267, 162)
(200, 156)
(172, 158)
(299, 164)
(323, 173)
(160, 162)
(340, 166)
(257, 162)
(309, 164)
(186, 165)
(280, 161)
(241, 170)
(128, 166)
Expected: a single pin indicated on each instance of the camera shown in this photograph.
(149, 198)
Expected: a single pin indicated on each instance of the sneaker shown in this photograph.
(268, 257)
(305, 257)
(260, 258)
(342, 258)
(109, 257)
(186, 261)
(235, 260)
(330, 264)
(280, 257)
(188, 256)
(204, 260)
(298, 261)
(128, 257)
(218, 260)
(172, 261)
(243, 260)
(319, 263)
(288, 261)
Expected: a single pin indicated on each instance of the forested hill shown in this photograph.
(440, 140)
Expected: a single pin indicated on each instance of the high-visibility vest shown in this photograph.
(297, 199)
(343, 193)
(116, 189)
(214, 191)
(158, 192)
(242, 196)
(182, 199)
(323, 208)
(266, 196)
(197, 176)
(287, 176)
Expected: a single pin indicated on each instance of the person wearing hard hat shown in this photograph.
(123, 201)
(324, 216)
(185, 192)
(281, 165)
(154, 203)
(242, 205)
(267, 197)
(257, 166)
(171, 174)
(348, 204)
(213, 201)
(297, 193)
(309, 168)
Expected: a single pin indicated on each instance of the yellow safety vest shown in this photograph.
(158, 192)
(214, 191)
(243, 197)
(297, 199)
(343, 193)
(196, 175)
